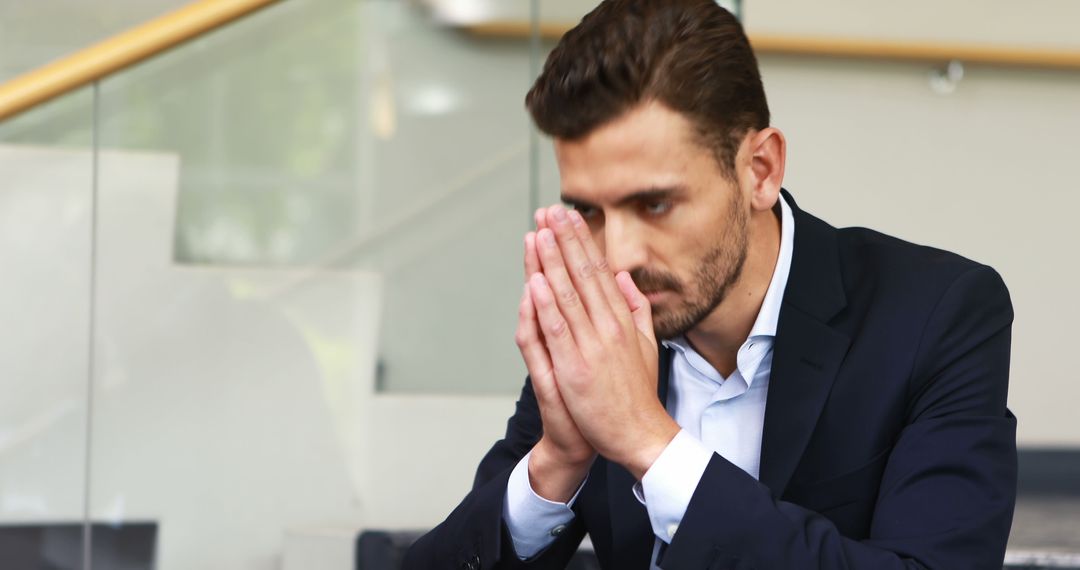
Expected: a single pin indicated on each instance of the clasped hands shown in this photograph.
(587, 339)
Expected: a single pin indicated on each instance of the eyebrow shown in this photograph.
(646, 195)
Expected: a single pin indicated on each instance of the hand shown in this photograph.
(562, 457)
(599, 337)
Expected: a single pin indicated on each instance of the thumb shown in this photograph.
(639, 305)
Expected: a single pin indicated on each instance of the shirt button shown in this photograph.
(672, 529)
(558, 530)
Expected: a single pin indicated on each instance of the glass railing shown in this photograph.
(46, 235)
(239, 268)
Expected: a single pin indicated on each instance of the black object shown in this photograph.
(129, 546)
(1049, 472)
(383, 550)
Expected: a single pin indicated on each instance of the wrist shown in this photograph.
(653, 443)
(555, 476)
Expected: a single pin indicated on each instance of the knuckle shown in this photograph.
(602, 265)
(542, 301)
(586, 270)
(612, 331)
(569, 298)
(558, 328)
(589, 353)
(581, 373)
(522, 338)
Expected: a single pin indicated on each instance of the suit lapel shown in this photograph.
(807, 352)
(631, 531)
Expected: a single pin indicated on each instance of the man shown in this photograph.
(718, 379)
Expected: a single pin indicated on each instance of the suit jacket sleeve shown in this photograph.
(474, 536)
(947, 494)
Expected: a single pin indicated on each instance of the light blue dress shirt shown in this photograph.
(716, 414)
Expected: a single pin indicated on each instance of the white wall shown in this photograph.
(1046, 23)
(1042, 24)
(228, 405)
(45, 259)
(984, 172)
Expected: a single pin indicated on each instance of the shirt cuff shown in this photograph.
(533, 521)
(668, 485)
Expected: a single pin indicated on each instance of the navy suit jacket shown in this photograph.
(886, 444)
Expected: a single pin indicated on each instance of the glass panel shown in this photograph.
(323, 191)
(355, 153)
(452, 196)
(46, 168)
(232, 346)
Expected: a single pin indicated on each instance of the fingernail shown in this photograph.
(575, 217)
(560, 214)
(548, 236)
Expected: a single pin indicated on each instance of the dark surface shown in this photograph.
(1046, 526)
(1053, 472)
(129, 546)
(1045, 535)
(1046, 523)
(382, 550)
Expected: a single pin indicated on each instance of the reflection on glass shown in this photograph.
(320, 202)
(35, 33)
(46, 168)
(298, 217)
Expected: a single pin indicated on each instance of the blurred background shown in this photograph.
(260, 285)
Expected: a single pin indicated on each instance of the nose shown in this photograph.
(624, 245)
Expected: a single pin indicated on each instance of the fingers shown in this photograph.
(532, 260)
(640, 309)
(540, 217)
(561, 345)
(554, 415)
(569, 257)
(531, 345)
(603, 272)
(567, 298)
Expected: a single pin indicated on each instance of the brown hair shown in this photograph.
(690, 55)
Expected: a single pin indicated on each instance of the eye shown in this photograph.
(657, 208)
(587, 212)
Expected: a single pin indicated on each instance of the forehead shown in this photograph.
(648, 147)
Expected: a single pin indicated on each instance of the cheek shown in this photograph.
(680, 261)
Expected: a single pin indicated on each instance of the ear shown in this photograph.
(768, 153)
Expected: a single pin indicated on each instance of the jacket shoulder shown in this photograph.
(873, 263)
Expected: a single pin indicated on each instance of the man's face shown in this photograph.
(660, 206)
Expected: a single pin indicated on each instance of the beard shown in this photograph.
(717, 270)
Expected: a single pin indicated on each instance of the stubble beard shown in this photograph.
(718, 270)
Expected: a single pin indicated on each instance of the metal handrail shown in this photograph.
(119, 52)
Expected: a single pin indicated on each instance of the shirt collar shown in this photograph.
(769, 315)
